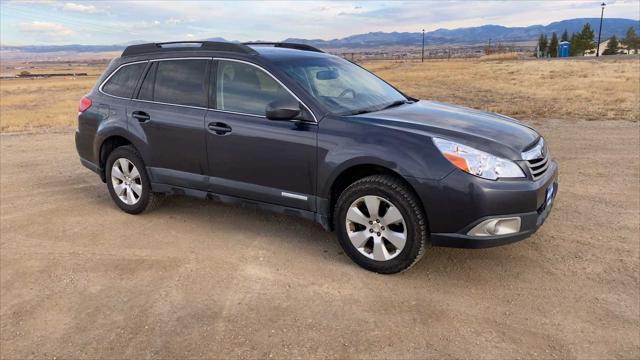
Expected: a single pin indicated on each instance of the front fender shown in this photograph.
(345, 142)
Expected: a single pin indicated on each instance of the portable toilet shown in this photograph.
(563, 49)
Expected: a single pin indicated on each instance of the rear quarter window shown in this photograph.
(123, 82)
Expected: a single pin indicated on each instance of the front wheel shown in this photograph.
(380, 224)
(128, 183)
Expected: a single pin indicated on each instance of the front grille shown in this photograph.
(538, 167)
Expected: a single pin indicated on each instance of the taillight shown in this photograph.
(85, 103)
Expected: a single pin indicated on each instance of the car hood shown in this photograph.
(490, 132)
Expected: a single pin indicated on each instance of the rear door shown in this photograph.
(168, 113)
(253, 157)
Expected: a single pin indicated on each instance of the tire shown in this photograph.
(388, 246)
(128, 182)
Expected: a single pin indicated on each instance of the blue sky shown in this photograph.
(116, 22)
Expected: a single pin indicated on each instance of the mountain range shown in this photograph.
(460, 36)
(474, 35)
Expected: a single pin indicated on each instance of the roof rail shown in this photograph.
(287, 45)
(188, 46)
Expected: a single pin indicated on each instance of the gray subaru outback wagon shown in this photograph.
(289, 128)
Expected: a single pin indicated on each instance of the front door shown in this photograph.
(250, 156)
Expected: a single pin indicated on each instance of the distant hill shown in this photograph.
(470, 35)
(474, 35)
(66, 48)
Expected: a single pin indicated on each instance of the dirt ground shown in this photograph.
(198, 279)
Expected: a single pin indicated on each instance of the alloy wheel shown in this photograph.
(376, 228)
(126, 181)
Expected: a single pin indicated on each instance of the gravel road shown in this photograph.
(198, 279)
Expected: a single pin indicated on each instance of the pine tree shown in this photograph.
(540, 39)
(612, 46)
(553, 45)
(542, 44)
(631, 41)
(574, 45)
(586, 38)
(565, 36)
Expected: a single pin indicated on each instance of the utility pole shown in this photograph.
(600, 30)
(422, 45)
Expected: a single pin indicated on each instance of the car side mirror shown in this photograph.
(283, 109)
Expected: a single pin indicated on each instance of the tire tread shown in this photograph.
(407, 195)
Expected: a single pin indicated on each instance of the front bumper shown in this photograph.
(459, 202)
(531, 222)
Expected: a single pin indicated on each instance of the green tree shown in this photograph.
(543, 43)
(553, 45)
(574, 45)
(565, 36)
(612, 46)
(631, 41)
(583, 41)
(586, 38)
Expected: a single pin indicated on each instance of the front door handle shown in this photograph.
(219, 128)
(141, 116)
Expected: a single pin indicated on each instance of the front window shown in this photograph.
(244, 88)
(342, 87)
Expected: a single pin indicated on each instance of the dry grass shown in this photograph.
(527, 89)
(501, 56)
(28, 104)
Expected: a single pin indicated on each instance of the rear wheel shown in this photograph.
(128, 183)
(380, 224)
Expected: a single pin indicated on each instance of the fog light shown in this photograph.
(496, 226)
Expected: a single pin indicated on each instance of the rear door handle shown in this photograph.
(219, 128)
(141, 116)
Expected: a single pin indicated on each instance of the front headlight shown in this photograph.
(476, 162)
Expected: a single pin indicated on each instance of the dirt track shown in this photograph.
(197, 279)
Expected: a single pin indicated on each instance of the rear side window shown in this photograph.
(123, 81)
(246, 89)
(180, 82)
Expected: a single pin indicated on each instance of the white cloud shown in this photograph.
(79, 8)
(46, 28)
(277, 20)
(190, 36)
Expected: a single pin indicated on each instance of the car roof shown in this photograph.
(267, 51)
(281, 54)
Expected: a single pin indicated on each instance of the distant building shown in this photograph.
(622, 49)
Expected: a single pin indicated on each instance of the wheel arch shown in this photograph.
(355, 172)
(105, 148)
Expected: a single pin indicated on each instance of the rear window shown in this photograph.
(181, 82)
(123, 82)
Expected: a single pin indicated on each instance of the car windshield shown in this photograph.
(342, 87)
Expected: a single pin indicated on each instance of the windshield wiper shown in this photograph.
(377, 108)
(396, 103)
(361, 111)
